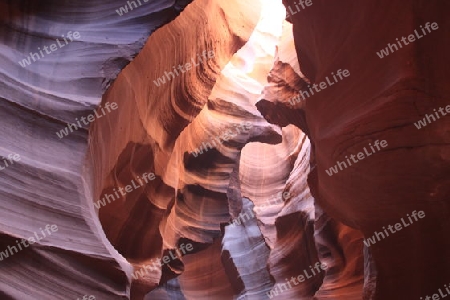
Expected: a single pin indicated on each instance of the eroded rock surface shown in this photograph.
(209, 180)
(381, 100)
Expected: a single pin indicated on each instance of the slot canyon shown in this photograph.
(220, 150)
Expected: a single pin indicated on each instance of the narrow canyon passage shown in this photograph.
(216, 166)
(211, 149)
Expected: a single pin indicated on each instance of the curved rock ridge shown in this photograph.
(283, 207)
(50, 83)
(341, 248)
(162, 134)
(145, 175)
(280, 102)
(225, 111)
(46, 185)
(321, 241)
(206, 173)
(243, 240)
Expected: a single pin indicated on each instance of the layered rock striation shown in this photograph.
(175, 150)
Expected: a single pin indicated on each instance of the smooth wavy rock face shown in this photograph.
(48, 186)
(220, 194)
(169, 122)
(227, 184)
(382, 99)
(210, 179)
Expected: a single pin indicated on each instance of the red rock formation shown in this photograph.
(208, 177)
(381, 99)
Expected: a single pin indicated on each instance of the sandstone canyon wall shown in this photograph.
(382, 99)
(200, 173)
